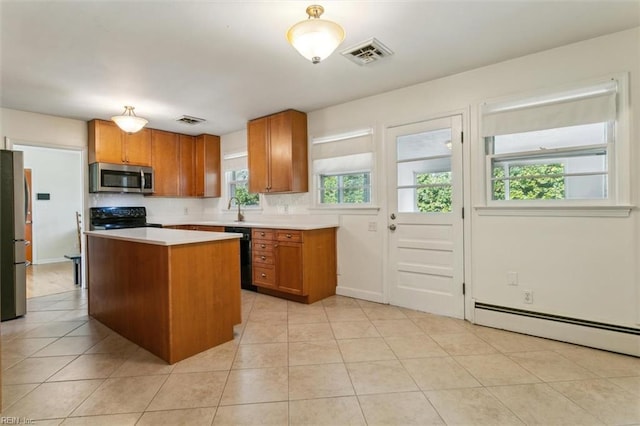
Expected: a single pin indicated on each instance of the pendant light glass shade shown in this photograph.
(129, 121)
(315, 38)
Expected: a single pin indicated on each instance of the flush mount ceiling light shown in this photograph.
(129, 121)
(315, 38)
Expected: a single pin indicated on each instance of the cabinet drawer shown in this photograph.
(264, 276)
(262, 245)
(262, 259)
(284, 235)
(262, 234)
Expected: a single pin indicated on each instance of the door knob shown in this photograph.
(392, 227)
(393, 216)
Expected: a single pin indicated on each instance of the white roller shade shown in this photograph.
(343, 164)
(593, 104)
(338, 146)
(234, 161)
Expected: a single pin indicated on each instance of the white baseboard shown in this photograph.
(609, 340)
(360, 294)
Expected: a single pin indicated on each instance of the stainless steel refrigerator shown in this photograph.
(13, 268)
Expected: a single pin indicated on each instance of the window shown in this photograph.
(353, 188)
(237, 181)
(424, 172)
(342, 168)
(553, 148)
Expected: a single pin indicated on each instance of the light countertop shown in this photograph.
(163, 237)
(252, 224)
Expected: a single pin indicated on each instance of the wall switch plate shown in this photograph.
(512, 278)
(373, 226)
(527, 296)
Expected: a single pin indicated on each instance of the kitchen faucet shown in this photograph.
(240, 215)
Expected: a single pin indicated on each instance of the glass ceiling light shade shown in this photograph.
(315, 38)
(129, 121)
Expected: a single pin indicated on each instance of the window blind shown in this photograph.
(592, 104)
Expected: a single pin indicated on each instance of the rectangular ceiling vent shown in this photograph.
(367, 52)
(187, 119)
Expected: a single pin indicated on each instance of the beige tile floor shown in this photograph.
(339, 361)
(49, 278)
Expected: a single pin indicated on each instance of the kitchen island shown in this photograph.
(175, 293)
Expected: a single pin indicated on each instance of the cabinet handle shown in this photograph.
(288, 235)
(262, 246)
(263, 257)
(263, 275)
(262, 234)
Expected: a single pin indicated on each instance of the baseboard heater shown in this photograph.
(599, 335)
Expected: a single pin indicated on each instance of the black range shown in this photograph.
(104, 218)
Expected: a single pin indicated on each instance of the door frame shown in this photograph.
(467, 171)
(84, 168)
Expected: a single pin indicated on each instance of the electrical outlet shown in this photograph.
(527, 296)
(373, 226)
(512, 278)
(186, 211)
(286, 209)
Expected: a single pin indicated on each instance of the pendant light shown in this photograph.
(129, 121)
(315, 38)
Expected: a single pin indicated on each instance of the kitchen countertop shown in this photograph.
(253, 224)
(163, 237)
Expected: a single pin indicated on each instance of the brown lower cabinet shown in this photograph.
(295, 264)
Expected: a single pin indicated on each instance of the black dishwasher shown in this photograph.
(246, 278)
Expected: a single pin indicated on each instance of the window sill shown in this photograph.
(345, 209)
(559, 211)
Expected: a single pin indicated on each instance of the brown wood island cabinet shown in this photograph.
(299, 265)
(109, 144)
(277, 153)
(175, 299)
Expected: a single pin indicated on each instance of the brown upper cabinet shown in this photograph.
(277, 148)
(165, 160)
(208, 174)
(185, 166)
(109, 144)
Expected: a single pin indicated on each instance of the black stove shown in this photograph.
(103, 218)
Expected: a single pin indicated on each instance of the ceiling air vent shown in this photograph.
(367, 52)
(187, 119)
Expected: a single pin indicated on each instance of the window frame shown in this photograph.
(617, 148)
(360, 141)
(340, 188)
(229, 183)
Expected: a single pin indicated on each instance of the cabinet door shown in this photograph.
(165, 159)
(187, 166)
(105, 142)
(258, 155)
(288, 262)
(137, 148)
(280, 152)
(207, 166)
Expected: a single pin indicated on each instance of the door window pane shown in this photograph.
(424, 172)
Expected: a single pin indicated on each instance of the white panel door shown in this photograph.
(425, 225)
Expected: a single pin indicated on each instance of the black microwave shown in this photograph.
(104, 177)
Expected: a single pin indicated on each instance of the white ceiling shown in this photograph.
(229, 61)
